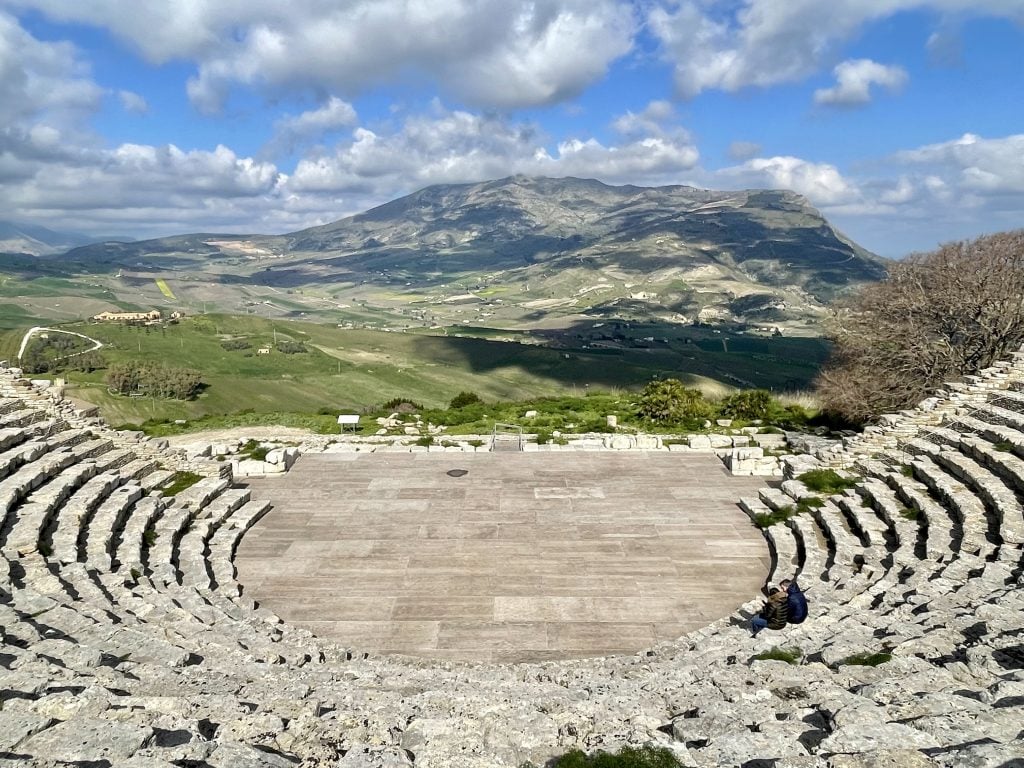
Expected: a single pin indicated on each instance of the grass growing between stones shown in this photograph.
(180, 482)
(909, 513)
(788, 655)
(867, 659)
(1003, 445)
(628, 757)
(807, 503)
(767, 519)
(253, 450)
(826, 481)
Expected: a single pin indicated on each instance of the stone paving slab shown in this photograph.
(526, 557)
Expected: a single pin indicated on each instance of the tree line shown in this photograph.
(154, 380)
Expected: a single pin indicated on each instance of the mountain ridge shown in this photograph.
(550, 247)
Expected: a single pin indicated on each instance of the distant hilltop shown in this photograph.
(526, 249)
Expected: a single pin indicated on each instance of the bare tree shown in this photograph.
(936, 317)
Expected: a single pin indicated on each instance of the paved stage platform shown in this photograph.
(525, 556)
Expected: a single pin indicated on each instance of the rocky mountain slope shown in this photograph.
(527, 250)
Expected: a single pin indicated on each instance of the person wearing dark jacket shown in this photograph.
(774, 614)
(796, 603)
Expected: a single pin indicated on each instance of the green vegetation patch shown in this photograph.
(253, 450)
(909, 513)
(807, 503)
(767, 519)
(1003, 445)
(867, 659)
(647, 756)
(826, 481)
(180, 482)
(788, 655)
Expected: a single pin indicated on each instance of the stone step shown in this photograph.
(904, 530)
(939, 526)
(28, 521)
(156, 478)
(106, 525)
(74, 516)
(1001, 503)
(128, 550)
(225, 541)
(963, 506)
(814, 549)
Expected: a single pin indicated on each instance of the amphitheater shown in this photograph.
(129, 641)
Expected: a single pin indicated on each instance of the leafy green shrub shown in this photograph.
(543, 436)
(291, 347)
(463, 399)
(476, 443)
(149, 537)
(748, 404)
(667, 400)
(647, 756)
(425, 441)
(401, 405)
(826, 481)
(788, 655)
(234, 345)
(867, 659)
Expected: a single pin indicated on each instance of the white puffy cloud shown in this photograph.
(821, 183)
(730, 46)
(133, 102)
(458, 146)
(991, 167)
(854, 79)
(41, 80)
(498, 53)
(293, 130)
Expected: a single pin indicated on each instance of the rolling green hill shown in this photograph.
(345, 369)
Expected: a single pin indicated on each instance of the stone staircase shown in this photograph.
(127, 640)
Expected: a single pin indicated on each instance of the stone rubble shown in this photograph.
(127, 641)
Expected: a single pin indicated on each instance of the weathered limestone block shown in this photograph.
(88, 740)
(619, 442)
(873, 735)
(648, 442)
(15, 727)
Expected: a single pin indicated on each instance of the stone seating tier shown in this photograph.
(104, 663)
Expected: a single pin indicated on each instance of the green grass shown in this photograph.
(867, 659)
(354, 370)
(647, 756)
(1003, 445)
(788, 655)
(253, 450)
(807, 503)
(180, 482)
(826, 481)
(767, 519)
(909, 513)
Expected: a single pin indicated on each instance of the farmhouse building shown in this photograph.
(135, 317)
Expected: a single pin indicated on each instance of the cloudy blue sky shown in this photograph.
(902, 120)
